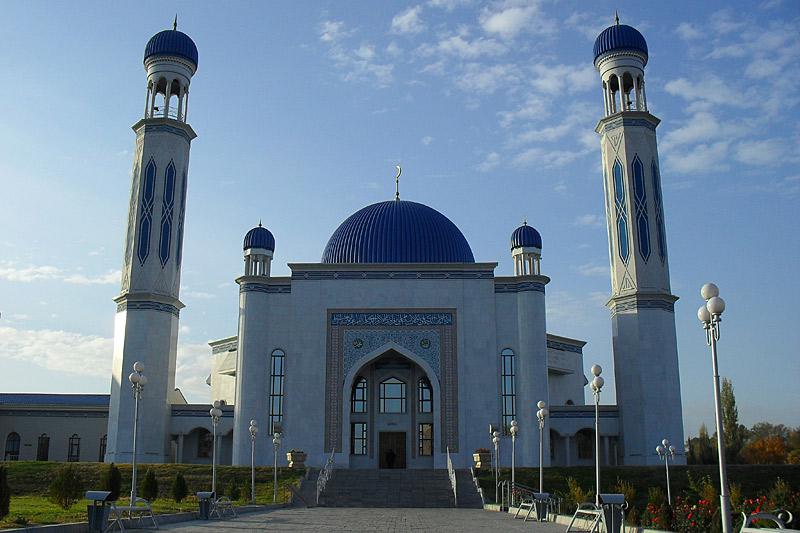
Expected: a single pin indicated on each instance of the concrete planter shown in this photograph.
(483, 461)
(296, 459)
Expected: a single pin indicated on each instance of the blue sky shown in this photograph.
(303, 109)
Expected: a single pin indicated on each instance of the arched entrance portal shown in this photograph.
(390, 411)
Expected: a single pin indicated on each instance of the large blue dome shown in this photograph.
(171, 43)
(620, 37)
(397, 232)
(526, 236)
(259, 237)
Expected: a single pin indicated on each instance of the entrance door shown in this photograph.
(392, 449)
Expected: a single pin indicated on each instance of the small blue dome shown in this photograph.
(259, 237)
(526, 236)
(620, 37)
(397, 232)
(171, 43)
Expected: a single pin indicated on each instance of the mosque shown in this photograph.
(397, 347)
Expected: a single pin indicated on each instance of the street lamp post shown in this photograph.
(541, 415)
(597, 385)
(665, 451)
(514, 428)
(138, 381)
(253, 433)
(276, 444)
(496, 442)
(710, 316)
(215, 413)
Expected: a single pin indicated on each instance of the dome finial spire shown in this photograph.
(259, 222)
(616, 17)
(397, 183)
(175, 23)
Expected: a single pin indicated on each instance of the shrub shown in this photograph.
(149, 487)
(234, 493)
(66, 487)
(112, 481)
(247, 490)
(575, 494)
(5, 493)
(179, 488)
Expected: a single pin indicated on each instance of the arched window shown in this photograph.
(507, 388)
(146, 221)
(205, 443)
(640, 204)
(393, 396)
(424, 396)
(359, 396)
(662, 243)
(167, 205)
(585, 439)
(74, 448)
(43, 448)
(621, 212)
(276, 377)
(102, 454)
(12, 447)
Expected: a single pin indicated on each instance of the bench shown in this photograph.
(220, 506)
(780, 519)
(141, 511)
(610, 513)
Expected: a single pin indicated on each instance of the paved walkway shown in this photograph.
(324, 519)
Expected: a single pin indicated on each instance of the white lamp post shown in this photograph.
(541, 415)
(710, 316)
(276, 444)
(597, 385)
(138, 381)
(215, 413)
(665, 451)
(513, 430)
(253, 433)
(496, 442)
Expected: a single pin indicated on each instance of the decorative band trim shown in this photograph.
(634, 303)
(564, 347)
(625, 121)
(166, 128)
(148, 306)
(422, 274)
(264, 287)
(521, 286)
(391, 319)
(227, 347)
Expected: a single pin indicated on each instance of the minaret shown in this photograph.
(529, 365)
(146, 325)
(641, 304)
(254, 363)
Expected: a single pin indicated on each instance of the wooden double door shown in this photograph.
(392, 448)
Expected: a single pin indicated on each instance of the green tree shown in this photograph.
(701, 448)
(5, 493)
(179, 488)
(149, 487)
(66, 488)
(735, 434)
(112, 481)
(234, 492)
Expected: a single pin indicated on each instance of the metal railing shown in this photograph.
(325, 474)
(452, 473)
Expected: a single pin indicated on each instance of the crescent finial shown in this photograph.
(397, 183)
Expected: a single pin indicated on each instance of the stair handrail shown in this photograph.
(451, 472)
(326, 473)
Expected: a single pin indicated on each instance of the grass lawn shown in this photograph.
(754, 480)
(29, 481)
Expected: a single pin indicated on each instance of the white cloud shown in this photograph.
(767, 152)
(332, 30)
(11, 272)
(534, 107)
(708, 158)
(192, 369)
(490, 163)
(63, 351)
(722, 23)
(548, 157)
(479, 78)
(688, 31)
(461, 46)
(427, 140)
(591, 269)
(408, 22)
(393, 49)
(559, 78)
(587, 24)
(448, 5)
(710, 90)
(589, 219)
(506, 19)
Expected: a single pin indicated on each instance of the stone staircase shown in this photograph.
(398, 488)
